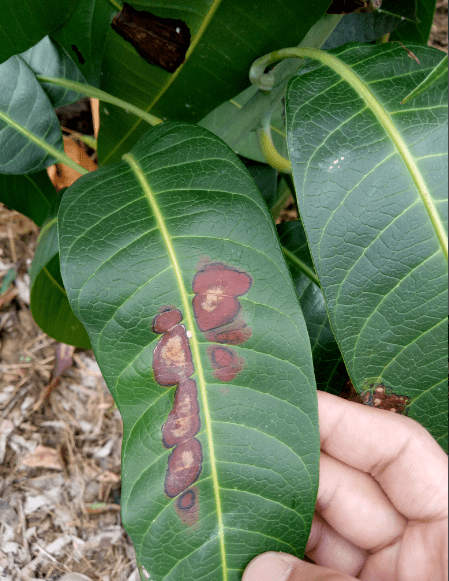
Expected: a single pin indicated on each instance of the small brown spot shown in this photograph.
(172, 358)
(187, 507)
(184, 467)
(225, 361)
(160, 41)
(183, 422)
(166, 320)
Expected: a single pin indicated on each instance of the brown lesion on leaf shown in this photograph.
(183, 421)
(225, 362)
(382, 397)
(160, 41)
(184, 467)
(172, 358)
(187, 506)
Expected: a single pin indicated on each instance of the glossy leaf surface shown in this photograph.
(370, 176)
(226, 37)
(24, 23)
(330, 371)
(48, 299)
(133, 238)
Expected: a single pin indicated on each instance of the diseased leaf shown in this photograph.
(330, 371)
(170, 259)
(160, 41)
(371, 183)
(226, 37)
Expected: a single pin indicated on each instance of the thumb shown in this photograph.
(283, 567)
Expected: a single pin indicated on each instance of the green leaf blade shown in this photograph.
(226, 37)
(24, 104)
(371, 192)
(48, 299)
(180, 199)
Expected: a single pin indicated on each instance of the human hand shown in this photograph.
(381, 511)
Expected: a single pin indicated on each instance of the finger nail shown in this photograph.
(268, 567)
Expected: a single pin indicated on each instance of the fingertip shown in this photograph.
(269, 567)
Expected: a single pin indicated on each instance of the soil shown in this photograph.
(60, 436)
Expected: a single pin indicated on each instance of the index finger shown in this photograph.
(396, 451)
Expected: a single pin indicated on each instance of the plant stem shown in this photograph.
(59, 155)
(284, 194)
(103, 96)
(301, 265)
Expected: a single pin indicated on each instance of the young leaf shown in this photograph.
(177, 233)
(226, 36)
(370, 178)
(330, 371)
(48, 299)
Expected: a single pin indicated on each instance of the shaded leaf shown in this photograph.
(366, 27)
(24, 23)
(418, 30)
(371, 186)
(31, 194)
(48, 299)
(146, 244)
(83, 35)
(330, 371)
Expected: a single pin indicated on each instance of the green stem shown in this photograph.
(102, 95)
(267, 147)
(301, 265)
(284, 194)
(60, 156)
(257, 76)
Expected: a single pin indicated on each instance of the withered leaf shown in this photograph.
(160, 41)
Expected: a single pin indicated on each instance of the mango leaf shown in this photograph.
(48, 299)
(418, 31)
(24, 23)
(330, 371)
(178, 233)
(266, 179)
(31, 194)
(370, 178)
(226, 37)
(23, 103)
(49, 59)
(362, 27)
(83, 35)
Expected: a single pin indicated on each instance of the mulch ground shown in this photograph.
(60, 448)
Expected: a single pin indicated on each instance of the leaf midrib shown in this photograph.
(346, 73)
(194, 343)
